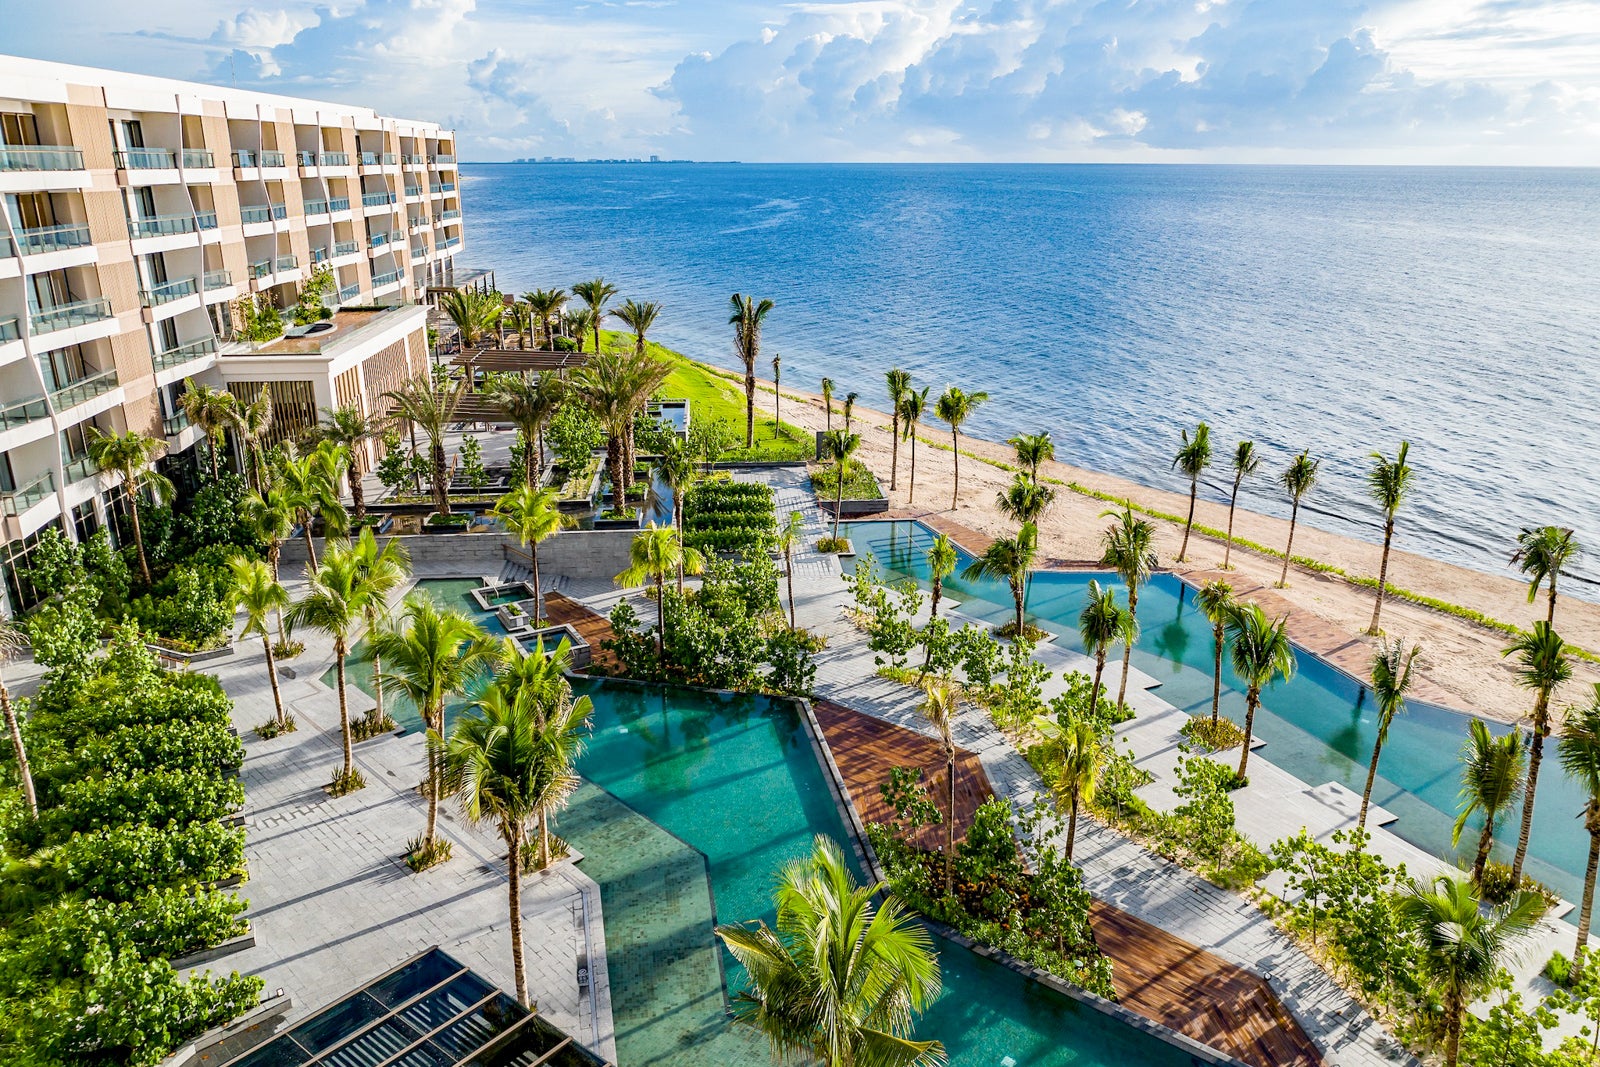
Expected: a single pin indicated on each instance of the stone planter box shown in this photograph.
(382, 526)
(429, 528)
(551, 636)
(619, 524)
(216, 952)
(193, 657)
(872, 506)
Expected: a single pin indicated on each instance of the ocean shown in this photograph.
(1338, 309)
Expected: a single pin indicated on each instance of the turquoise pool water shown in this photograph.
(1320, 725)
(690, 804)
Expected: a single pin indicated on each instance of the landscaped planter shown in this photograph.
(380, 524)
(848, 507)
(216, 952)
(193, 657)
(617, 524)
(461, 523)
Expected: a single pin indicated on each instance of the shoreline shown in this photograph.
(1461, 665)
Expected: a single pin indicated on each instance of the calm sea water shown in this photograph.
(1339, 309)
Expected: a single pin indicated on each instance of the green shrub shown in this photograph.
(155, 798)
(1558, 969)
(1212, 737)
(197, 747)
(124, 861)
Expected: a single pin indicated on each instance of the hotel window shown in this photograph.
(14, 566)
(132, 133)
(155, 269)
(194, 135)
(8, 481)
(75, 440)
(142, 202)
(48, 290)
(18, 128)
(85, 521)
(61, 367)
(166, 336)
(30, 211)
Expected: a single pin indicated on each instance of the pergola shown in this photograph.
(519, 360)
(459, 281)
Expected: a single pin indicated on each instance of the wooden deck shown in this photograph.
(592, 627)
(1155, 974)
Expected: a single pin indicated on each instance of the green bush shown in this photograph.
(207, 747)
(729, 517)
(122, 862)
(159, 798)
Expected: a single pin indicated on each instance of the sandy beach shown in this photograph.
(1461, 665)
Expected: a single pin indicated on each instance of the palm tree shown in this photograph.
(1010, 558)
(212, 411)
(1261, 655)
(256, 591)
(430, 406)
(1245, 462)
(538, 680)
(638, 318)
(677, 470)
(579, 322)
(955, 407)
(520, 317)
(1388, 482)
(251, 422)
(384, 569)
(595, 294)
(848, 408)
(1127, 551)
(1033, 449)
(1102, 623)
(500, 765)
(546, 305)
(531, 515)
(310, 485)
(746, 320)
(430, 657)
(615, 386)
(940, 706)
(1075, 757)
(941, 565)
(1580, 758)
(1543, 663)
(13, 641)
(530, 405)
(899, 383)
(1542, 551)
(351, 429)
(1493, 777)
(131, 456)
(272, 517)
(1025, 500)
(827, 402)
(841, 979)
(655, 553)
(1215, 600)
(473, 313)
(912, 407)
(1459, 948)
(1391, 680)
(777, 396)
(838, 446)
(1193, 457)
(335, 602)
(1298, 479)
(790, 534)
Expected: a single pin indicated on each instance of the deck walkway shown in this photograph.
(591, 626)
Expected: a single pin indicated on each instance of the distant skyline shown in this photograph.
(1324, 81)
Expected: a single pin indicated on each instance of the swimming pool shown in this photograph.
(1319, 726)
(691, 803)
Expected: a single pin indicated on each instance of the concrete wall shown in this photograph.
(571, 554)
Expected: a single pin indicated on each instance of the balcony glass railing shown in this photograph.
(173, 425)
(78, 468)
(378, 240)
(316, 207)
(376, 199)
(451, 243)
(333, 159)
(349, 294)
(272, 159)
(243, 158)
(161, 226)
(147, 159)
(261, 268)
(319, 255)
(338, 203)
(286, 263)
(415, 161)
(369, 159)
(306, 159)
(419, 251)
(63, 316)
(198, 158)
(206, 220)
(413, 190)
(186, 353)
(451, 215)
(444, 160)
(166, 292)
(20, 412)
(20, 500)
(40, 157)
(345, 248)
(53, 238)
(84, 389)
(387, 278)
(217, 279)
(255, 213)
(390, 159)
(10, 330)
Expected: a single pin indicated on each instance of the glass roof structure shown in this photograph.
(428, 1012)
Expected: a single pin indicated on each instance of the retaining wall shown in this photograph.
(571, 554)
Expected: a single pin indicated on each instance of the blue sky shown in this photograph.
(1391, 81)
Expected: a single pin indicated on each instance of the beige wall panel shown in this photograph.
(108, 222)
(91, 133)
(218, 141)
(131, 353)
(225, 196)
(119, 282)
(143, 414)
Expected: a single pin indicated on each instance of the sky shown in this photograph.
(1291, 81)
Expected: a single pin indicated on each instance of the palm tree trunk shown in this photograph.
(838, 499)
(955, 454)
(1288, 547)
(911, 483)
(950, 823)
(1183, 550)
(441, 478)
(1252, 701)
(538, 591)
(788, 567)
(344, 712)
(1227, 553)
(14, 727)
(272, 674)
(1072, 824)
(1099, 669)
(1550, 616)
(514, 862)
(1587, 907)
(1127, 649)
(749, 403)
(1485, 842)
(619, 500)
(1453, 1008)
(358, 497)
(544, 839)
(1216, 674)
(138, 531)
(938, 592)
(311, 548)
(377, 682)
(1372, 776)
(894, 449)
(1383, 578)
(1018, 592)
(433, 790)
(661, 618)
(211, 441)
(1535, 757)
(531, 445)
(677, 522)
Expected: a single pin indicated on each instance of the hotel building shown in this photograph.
(138, 213)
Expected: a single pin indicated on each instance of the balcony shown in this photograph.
(242, 158)
(216, 279)
(319, 255)
(377, 159)
(419, 252)
(147, 159)
(349, 294)
(417, 222)
(377, 199)
(261, 268)
(413, 190)
(80, 467)
(252, 213)
(345, 248)
(454, 242)
(21, 412)
(64, 316)
(166, 292)
(286, 263)
(40, 157)
(161, 226)
(272, 159)
(337, 204)
(206, 220)
(186, 353)
(316, 207)
(387, 278)
(53, 238)
(16, 503)
(173, 425)
(451, 215)
(378, 240)
(84, 389)
(444, 160)
(198, 159)
(333, 159)
(415, 161)
(9, 330)
(440, 188)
